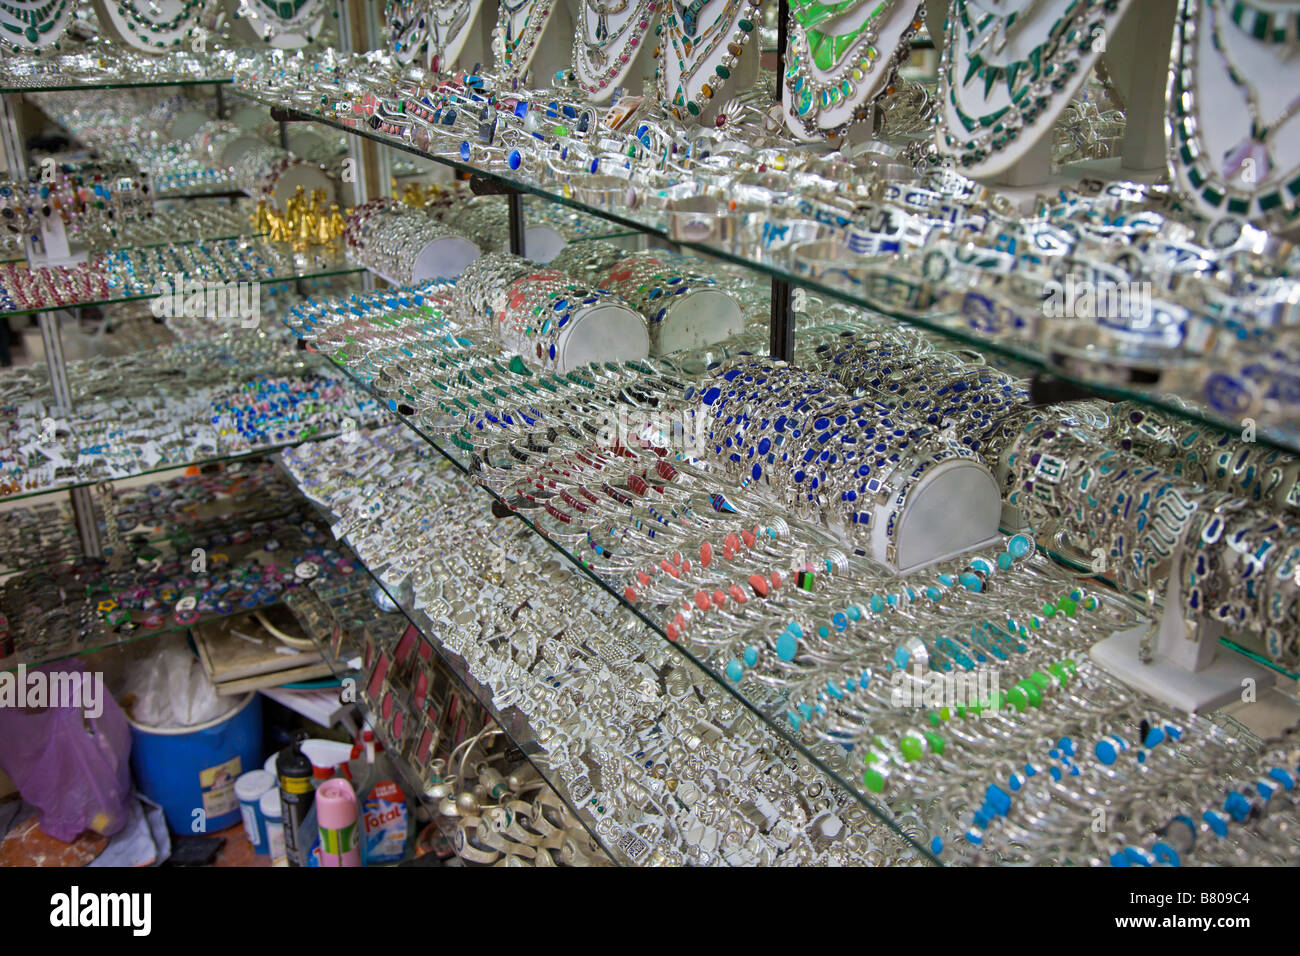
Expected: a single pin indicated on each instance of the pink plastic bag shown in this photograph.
(70, 762)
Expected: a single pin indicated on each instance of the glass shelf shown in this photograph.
(137, 235)
(84, 627)
(45, 533)
(306, 273)
(745, 246)
(764, 714)
(100, 68)
(242, 371)
(518, 548)
(511, 719)
(78, 85)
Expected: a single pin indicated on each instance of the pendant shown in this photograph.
(1252, 151)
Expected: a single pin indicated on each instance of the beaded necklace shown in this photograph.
(690, 49)
(515, 51)
(32, 24)
(1032, 82)
(825, 68)
(598, 64)
(1275, 202)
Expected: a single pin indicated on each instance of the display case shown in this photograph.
(900, 451)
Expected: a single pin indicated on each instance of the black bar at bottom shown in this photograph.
(516, 201)
(781, 323)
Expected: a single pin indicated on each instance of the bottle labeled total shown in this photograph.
(386, 817)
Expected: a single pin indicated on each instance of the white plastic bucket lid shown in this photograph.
(250, 786)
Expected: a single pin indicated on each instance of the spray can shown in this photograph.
(296, 794)
(336, 819)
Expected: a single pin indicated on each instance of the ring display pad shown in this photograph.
(443, 258)
(430, 33)
(518, 41)
(612, 44)
(154, 26)
(684, 308)
(249, 118)
(600, 333)
(187, 122)
(1009, 68)
(705, 45)
(543, 243)
(28, 25)
(604, 331)
(1189, 669)
(840, 58)
(286, 24)
(1233, 110)
(220, 144)
(237, 149)
(952, 509)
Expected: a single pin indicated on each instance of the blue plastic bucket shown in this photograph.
(192, 769)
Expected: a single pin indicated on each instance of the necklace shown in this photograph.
(1277, 25)
(691, 50)
(602, 15)
(1254, 148)
(601, 63)
(1271, 202)
(514, 52)
(292, 22)
(425, 27)
(1001, 21)
(408, 29)
(446, 30)
(33, 24)
(1030, 89)
(827, 68)
(154, 24)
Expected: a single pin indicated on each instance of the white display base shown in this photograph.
(936, 18)
(249, 118)
(306, 144)
(1140, 80)
(1034, 168)
(744, 76)
(1035, 23)
(889, 28)
(1193, 691)
(443, 258)
(56, 248)
(639, 70)
(236, 151)
(117, 26)
(700, 318)
(602, 333)
(553, 49)
(186, 123)
(543, 243)
(956, 509)
(1188, 670)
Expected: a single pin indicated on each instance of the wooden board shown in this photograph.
(274, 679)
(227, 657)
